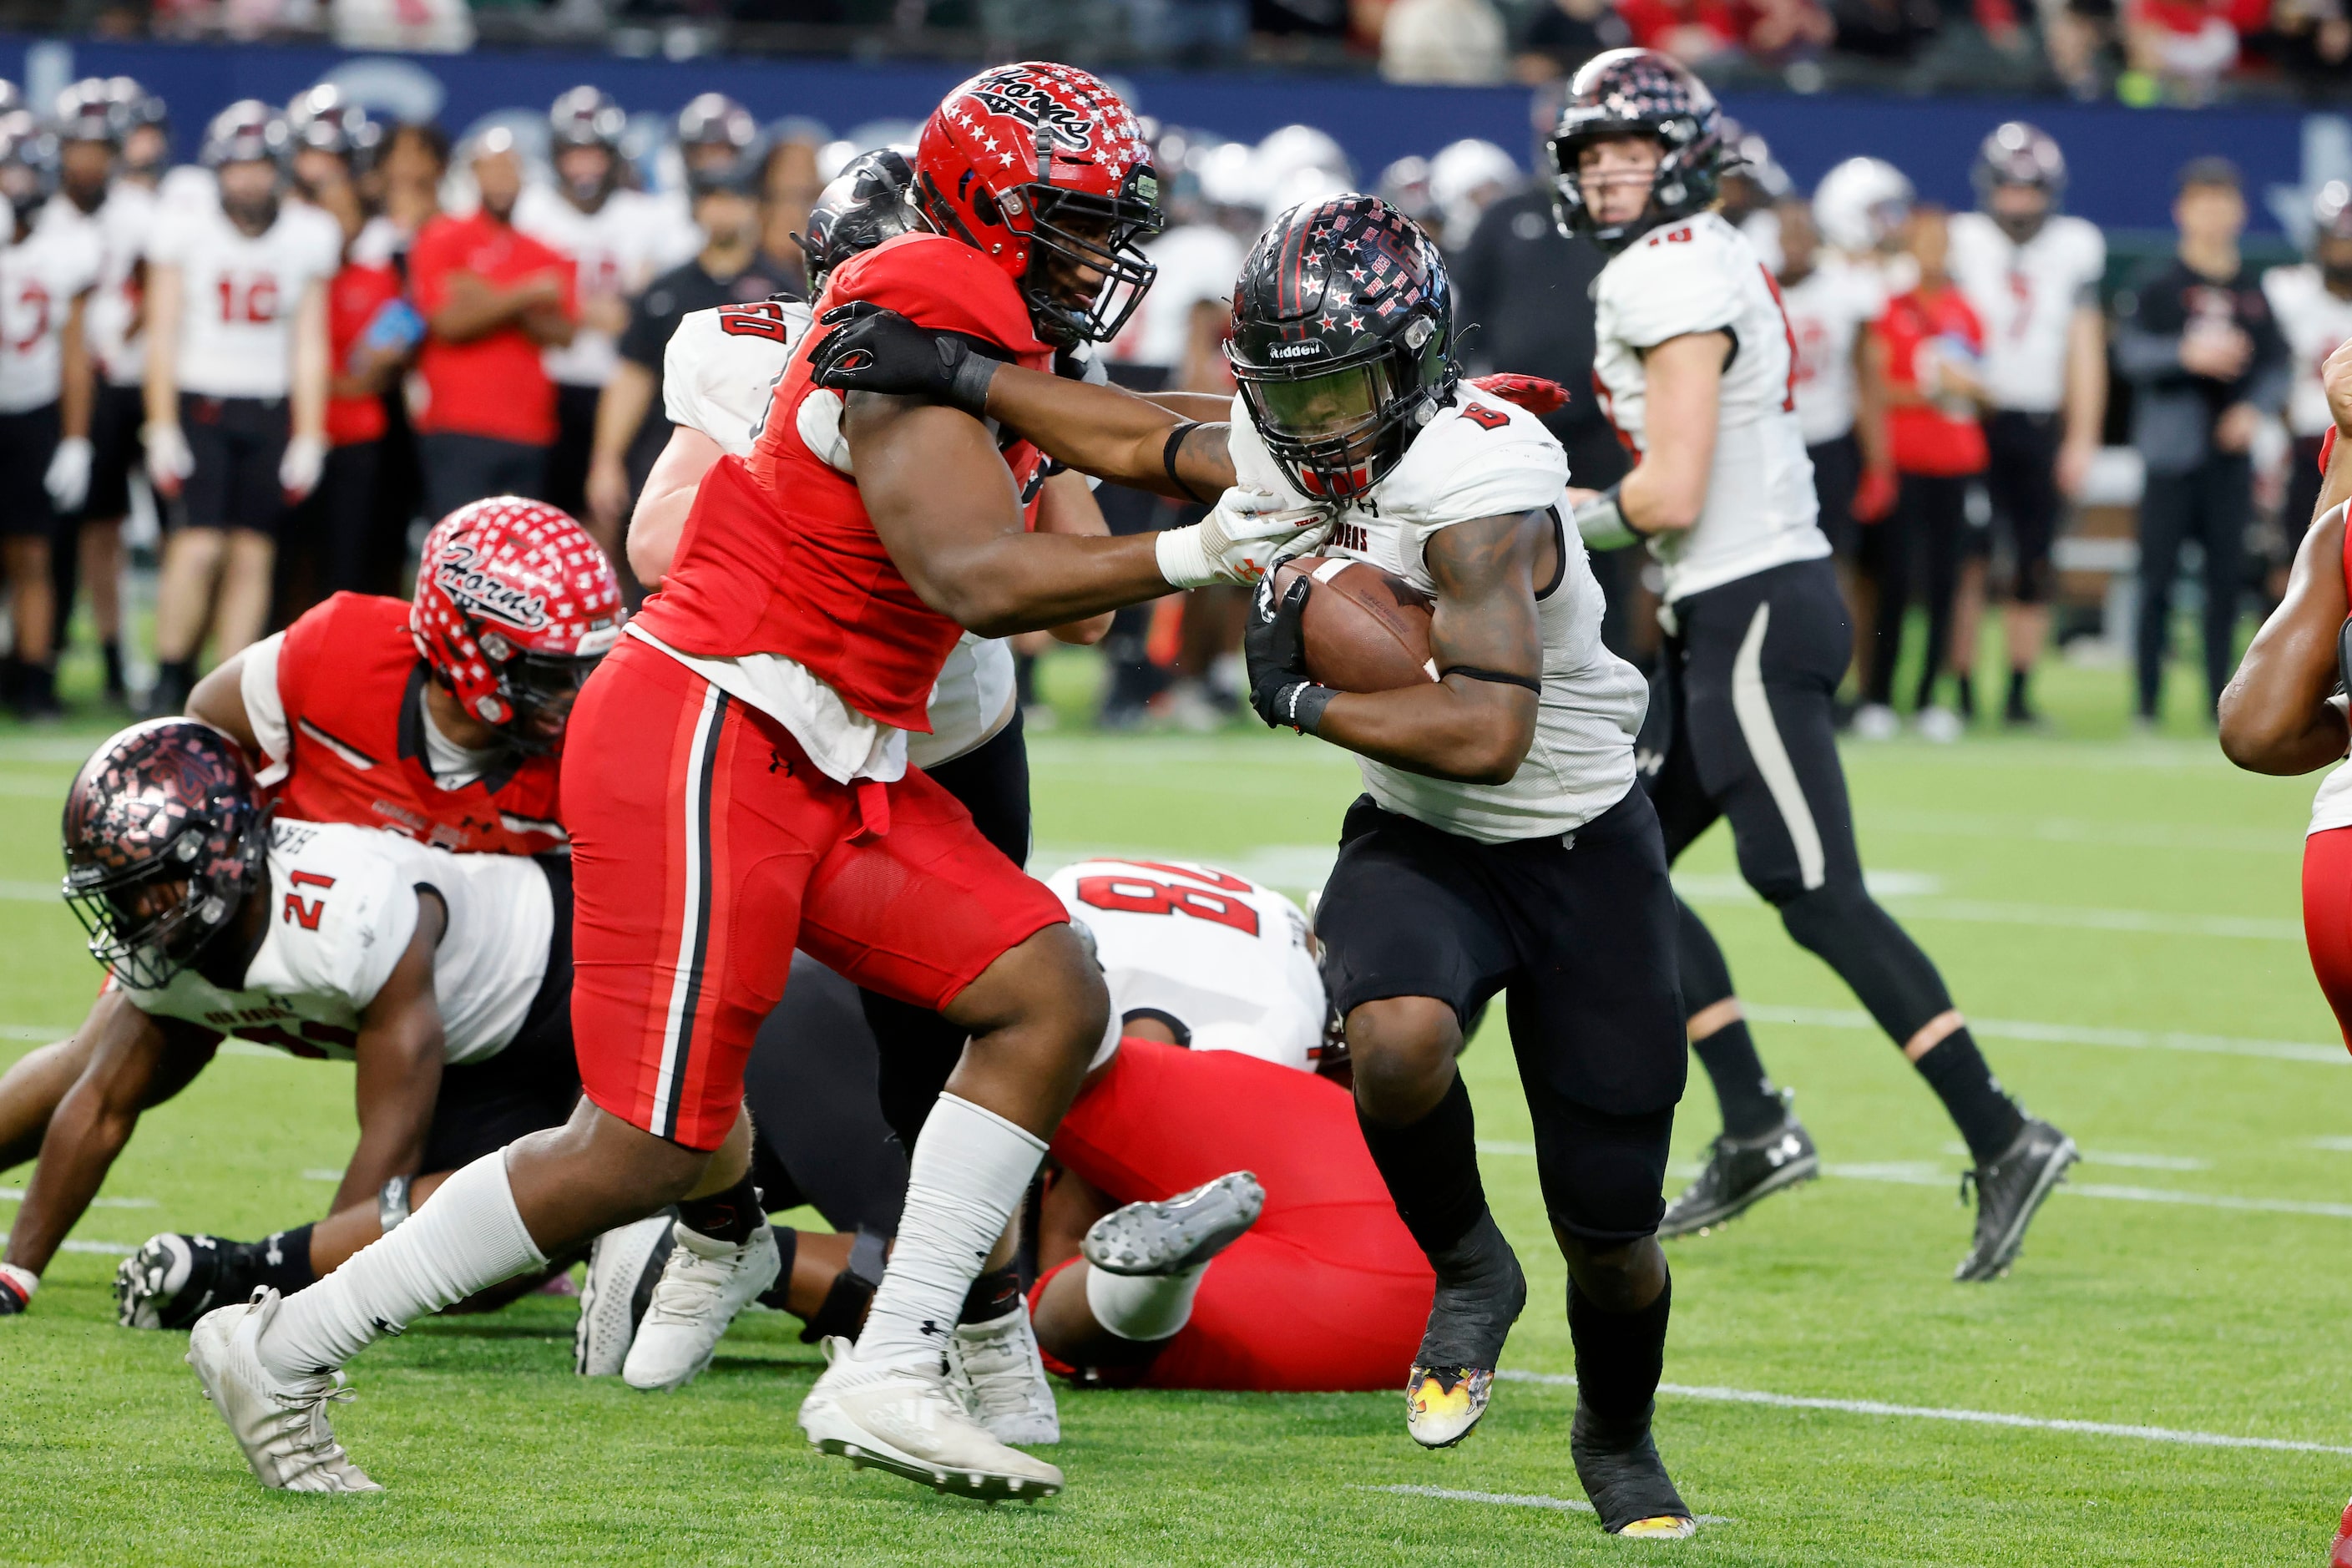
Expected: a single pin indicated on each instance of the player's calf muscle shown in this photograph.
(596, 1172)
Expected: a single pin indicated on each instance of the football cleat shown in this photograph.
(996, 1368)
(1741, 1172)
(173, 1280)
(1168, 1235)
(624, 1266)
(1441, 1403)
(703, 1285)
(281, 1426)
(1480, 1294)
(908, 1421)
(2009, 1190)
(1626, 1480)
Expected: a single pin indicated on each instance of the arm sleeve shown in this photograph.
(1674, 288)
(264, 707)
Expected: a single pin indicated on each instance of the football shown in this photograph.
(1366, 629)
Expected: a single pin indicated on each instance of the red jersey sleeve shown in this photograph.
(428, 267)
(942, 284)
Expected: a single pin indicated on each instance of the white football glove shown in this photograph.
(68, 480)
(298, 471)
(1239, 541)
(169, 462)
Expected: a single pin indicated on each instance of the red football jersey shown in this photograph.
(350, 680)
(778, 554)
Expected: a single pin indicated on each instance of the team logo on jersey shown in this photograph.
(1030, 102)
(478, 592)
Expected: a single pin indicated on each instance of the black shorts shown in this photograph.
(2022, 477)
(239, 444)
(531, 1085)
(28, 442)
(575, 443)
(1740, 725)
(1837, 470)
(462, 468)
(117, 414)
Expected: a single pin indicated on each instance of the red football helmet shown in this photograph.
(1044, 169)
(515, 604)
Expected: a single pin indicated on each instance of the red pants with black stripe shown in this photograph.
(2327, 918)
(1328, 1292)
(705, 846)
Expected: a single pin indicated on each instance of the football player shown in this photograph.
(747, 793)
(1695, 359)
(237, 386)
(445, 978)
(2312, 304)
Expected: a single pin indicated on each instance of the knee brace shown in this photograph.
(1706, 977)
(1842, 925)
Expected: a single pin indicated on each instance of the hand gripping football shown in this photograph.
(1366, 629)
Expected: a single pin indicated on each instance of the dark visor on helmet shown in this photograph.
(1325, 428)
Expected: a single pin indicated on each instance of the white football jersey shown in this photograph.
(343, 908)
(239, 293)
(1218, 954)
(1702, 276)
(40, 278)
(1827, 310)
(1485, 458)
(2026, 296)
(612, 249)
(718, 373)
(119, 228)
(2315, 323)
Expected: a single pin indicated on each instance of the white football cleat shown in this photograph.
(281, 1426)
(909, 1421)
(1167, 1236)
(996, 1369)
(623, 1265)
(705, 1283)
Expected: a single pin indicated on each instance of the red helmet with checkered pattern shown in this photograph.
(1044, 169)
(515, 604)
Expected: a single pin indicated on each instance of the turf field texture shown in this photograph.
(2119, 915)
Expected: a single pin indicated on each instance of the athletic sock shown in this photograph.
(1431, 1167)
(1965, 694)
(1144, 1307)
(730, 1217)
(2018, 705)
(1620, 1356)
(1742, 1087)
(111, 651)
(965, 1178)
(991, 1296)
(1978, 1106)
(281, 1261)
(469, 1237)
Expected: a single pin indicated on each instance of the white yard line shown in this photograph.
(17, 1196)
(103, 1249)
(19, 892)
(1970, 1417)
(1726, 888)
(1512, 1500)
(2077, 1034)
(2077, 830)
(1908, 1173)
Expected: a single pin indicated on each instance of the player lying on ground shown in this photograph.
(1502, 841)
(2282, 712)
(1212, 1100)
(1696, 359)
(445, 978)
(736, 788)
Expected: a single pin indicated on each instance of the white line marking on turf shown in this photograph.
(2334, 1145)
(1912, 1173)
(2110, 1157)
(1514, 1500)
(17, 892)
(34, 1032)
(1727, 888)
(2076, 1035)
(103, 1249)
(17, 1196)
(1973, 1418)
(2075, 830)
(320, 1174)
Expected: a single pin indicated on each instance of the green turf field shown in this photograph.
(2120, 917)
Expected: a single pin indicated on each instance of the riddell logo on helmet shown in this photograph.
(1295, 351)
(471, 589)
(1027, 101)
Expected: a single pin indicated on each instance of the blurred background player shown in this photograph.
(2312, 302)
(2196, 338)
(47, 274)
(236, 387)
(2031, 275)
(492, 298)
(1741, 719)
(612, 236)
(712, 132)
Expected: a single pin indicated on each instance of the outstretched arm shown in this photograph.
(2275, 713)
(399, 1058)
(1476, 721)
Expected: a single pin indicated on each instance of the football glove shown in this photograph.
(169, 462)
(1243, 536)
(68, 480)
(872, 349)
(299, 471)
(1533, 393)
(1275, 642)
(16, 1287)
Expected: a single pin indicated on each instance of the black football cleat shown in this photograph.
(1480, 1294)
(1618, 1463)
(173, 1280)
(1741, 1172)
(2009, 1190)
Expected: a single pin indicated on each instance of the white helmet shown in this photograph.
(1230, 177)
(1860, 204)
(1296, 147)
(1465, 177)
(1302, 185)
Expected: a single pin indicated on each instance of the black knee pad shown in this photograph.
(1603, 1176)
(1706, 977)
(1886, 971)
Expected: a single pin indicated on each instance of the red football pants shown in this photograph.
(1328, 1289)
(2327, 918)
(705, 846)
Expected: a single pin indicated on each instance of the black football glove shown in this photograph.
(874, 349)
(1276, 645)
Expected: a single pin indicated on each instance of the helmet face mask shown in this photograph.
(1639, 92)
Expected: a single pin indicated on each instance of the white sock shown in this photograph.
(467, 1238)
(1143, 1305)
(969, 1170)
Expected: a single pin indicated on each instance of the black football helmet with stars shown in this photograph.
(1343, 341)
(1640, 92)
